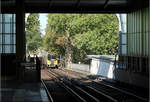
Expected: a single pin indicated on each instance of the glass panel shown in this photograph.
(7, 28)
(0, 48)
(8, 33)
(123, 39)
(13, 39)
(0, 28)
(14, 18)
(14, 48)
(8, 17)
(7, 48)
(124, 28)
(14, 28)
(0, 17)
(123, 19)
(7, 39)
(123, 49)
(0, 39)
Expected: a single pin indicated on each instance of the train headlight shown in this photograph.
(48, 62)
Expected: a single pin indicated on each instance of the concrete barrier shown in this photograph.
(103, 66)
(80, 67)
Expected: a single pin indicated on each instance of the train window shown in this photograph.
(53, 57)
(49, 57)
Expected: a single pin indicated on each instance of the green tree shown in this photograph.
(83, 34)
(33, 33)
(61, 24)
(50, 44)
(100, 36)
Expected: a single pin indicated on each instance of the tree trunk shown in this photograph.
(68, 53)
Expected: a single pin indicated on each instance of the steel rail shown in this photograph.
(78, 88)
(49, 95)
(123, 91)
(87, 94)
(105, 95)
(74, 93)
(101, 93)
(68, 89)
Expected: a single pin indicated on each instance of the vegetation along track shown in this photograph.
(107, 91)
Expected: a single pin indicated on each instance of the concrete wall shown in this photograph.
(102, 67)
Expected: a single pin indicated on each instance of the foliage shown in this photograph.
(98, 36)
(51, 45)
(33, 34)
(83, 34)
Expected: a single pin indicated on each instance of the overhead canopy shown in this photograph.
(75, 6)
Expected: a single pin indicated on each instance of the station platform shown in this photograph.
(28, 91)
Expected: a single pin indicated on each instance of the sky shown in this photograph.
(43, 21)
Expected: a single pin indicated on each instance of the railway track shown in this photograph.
(64, 91)
(58, 91)
(112, 93)
(124, 92)
(91, 94)
(110, 86)
(141, 97)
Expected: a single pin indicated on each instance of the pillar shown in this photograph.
(20, 37)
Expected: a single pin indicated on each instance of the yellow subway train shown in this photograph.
(52, 61)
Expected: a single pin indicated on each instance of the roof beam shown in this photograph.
(106, 4)
(77, 6)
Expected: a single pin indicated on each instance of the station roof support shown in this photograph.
(75, 6)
